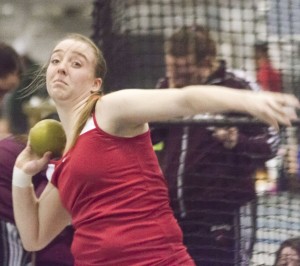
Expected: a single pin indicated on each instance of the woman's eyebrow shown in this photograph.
(81, 55)
(73, 52)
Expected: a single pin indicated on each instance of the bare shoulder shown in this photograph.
(116, 113)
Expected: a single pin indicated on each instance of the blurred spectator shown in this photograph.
(267, 76)
(10, 75)
(11, 250)
(19, 121)
(12, 253)
(10, 69)
(210, 170)
(288, 253)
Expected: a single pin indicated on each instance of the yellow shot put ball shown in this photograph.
(47, 135)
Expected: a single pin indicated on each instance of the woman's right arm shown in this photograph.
(38, 220)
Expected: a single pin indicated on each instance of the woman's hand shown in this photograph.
(30, 163)
(272, 108)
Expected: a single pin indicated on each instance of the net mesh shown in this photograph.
(132, 33)
(214, 200)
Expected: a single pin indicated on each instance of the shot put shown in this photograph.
(47, 135)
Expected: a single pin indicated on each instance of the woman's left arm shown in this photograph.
(130, 109)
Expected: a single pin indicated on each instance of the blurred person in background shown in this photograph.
(210, 170)
(17, 99)
(288, 254)
(12, 253)
(10, 77)
(10, 69)
(11, 249)
(268, 77)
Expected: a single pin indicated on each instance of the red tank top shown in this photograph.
(117, 196)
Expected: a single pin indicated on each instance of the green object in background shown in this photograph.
(159, 146)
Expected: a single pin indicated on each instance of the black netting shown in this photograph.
(132, 33)
(227, 216)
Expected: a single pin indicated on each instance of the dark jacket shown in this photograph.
(202, 174)
(9, 149)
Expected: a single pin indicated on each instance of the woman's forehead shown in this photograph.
(73, 46)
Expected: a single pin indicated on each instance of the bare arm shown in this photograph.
(38, 220)
(131, 109)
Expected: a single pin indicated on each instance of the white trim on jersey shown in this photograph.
(88, 126)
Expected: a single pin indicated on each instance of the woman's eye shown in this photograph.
(76, 64)
(54, 61)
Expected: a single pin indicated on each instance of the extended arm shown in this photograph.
(125, 112)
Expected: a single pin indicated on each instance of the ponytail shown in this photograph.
(88, 109)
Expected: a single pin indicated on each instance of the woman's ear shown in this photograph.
(97, 84)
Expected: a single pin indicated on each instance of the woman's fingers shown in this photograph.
(30, 162)
(276, 108)
(288, 100)
(284, 99)
(278, 111)
(37, 165)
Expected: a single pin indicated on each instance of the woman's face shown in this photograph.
(71, 71)
(288, 257)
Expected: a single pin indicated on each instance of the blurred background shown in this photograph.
(33, 26)
(127, 29)
(133, 32)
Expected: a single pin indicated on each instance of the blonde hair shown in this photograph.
(85, 114)
(39, 82)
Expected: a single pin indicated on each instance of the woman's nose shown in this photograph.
(61, 68)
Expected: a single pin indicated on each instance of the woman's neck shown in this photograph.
(68, 118)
